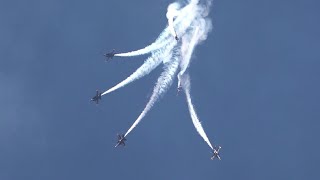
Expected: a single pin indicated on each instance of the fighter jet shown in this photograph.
(121, 140)
(110, 54)
(178, 90)
(97, 97)
(216, 153)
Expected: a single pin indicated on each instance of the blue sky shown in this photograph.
(254, 85)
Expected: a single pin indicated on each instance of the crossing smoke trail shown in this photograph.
(195, 120)
(163, 84)
(191, 25)
(185, 17)
(150, 64)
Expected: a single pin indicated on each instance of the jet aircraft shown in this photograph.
(178, 90)
(216, 153)
(97, 97)
(121, 140)
(110, 54)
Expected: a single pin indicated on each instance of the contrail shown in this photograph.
(154, 46)
(189, 41)
(172, 12)
(165, 80)
(163, 84)
(188, 23)
(183, 19)
(187, 48)
(150, 64)
(195, 120)
(202, 28)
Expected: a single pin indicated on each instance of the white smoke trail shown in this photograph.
(189, 24)
(187, 48)
(200, 28)
(184, 18)
(163, 83)
(150, 64)
(172, 12)
(195, 120)
(190, 41)
(154, 46)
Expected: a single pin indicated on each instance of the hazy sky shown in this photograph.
(255, 88)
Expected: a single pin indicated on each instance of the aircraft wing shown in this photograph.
(219, 149)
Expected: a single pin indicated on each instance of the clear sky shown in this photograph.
(255, 88)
